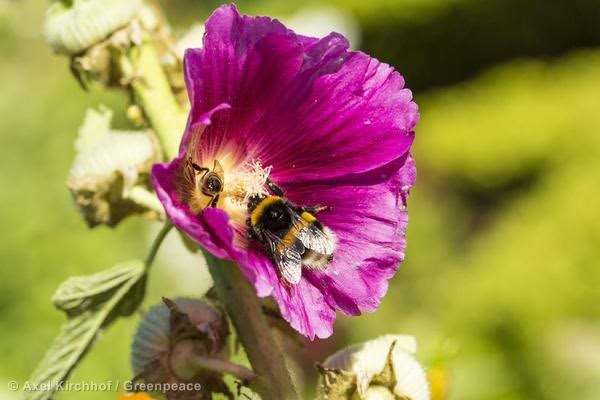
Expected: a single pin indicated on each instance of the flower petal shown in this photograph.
(370, 247)
(302, 305)
(336, 128)
(310, 108)
(347, 121)
(370, 224)
(245, 61)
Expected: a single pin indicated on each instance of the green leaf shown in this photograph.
(81, 293)
(91, 304)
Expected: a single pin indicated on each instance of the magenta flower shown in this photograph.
(330, 126)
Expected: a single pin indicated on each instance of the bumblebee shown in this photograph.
(202, 186)
(292, 235)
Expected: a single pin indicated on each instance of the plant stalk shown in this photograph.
(153, 93)
(162, 234)
(222, 366)
(274, 380)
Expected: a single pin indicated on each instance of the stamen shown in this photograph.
(247, 180)
(242, 182)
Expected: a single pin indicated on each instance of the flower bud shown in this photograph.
(109, 176)
(380, 369)
(161, 330)
(73, 26)
(184, 341)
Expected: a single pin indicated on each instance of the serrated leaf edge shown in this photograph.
(50, 366)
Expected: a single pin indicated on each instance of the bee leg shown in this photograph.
(214, 201)
(198, 168)
(276, 190)
(250, 234)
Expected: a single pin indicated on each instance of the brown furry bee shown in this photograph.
(201, 186)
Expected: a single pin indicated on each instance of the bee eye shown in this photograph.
(212, 184)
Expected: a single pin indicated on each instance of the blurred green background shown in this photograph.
(501, 285)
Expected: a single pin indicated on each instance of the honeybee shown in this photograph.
(202, 186)
(292, 235)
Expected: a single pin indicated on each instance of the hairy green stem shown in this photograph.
(153, 93)
(274, 381)
(162, 234)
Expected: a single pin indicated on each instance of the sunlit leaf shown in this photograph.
(91, 303)
(80, 293)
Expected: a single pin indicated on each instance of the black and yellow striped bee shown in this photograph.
(292, 235)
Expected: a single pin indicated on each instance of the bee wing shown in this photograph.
(313, 238)
(287, 257)
(218, 169)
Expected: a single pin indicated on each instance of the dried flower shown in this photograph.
(71, 27)
(330, 126)
(98, 35)
(108, 177)
(383, 368)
